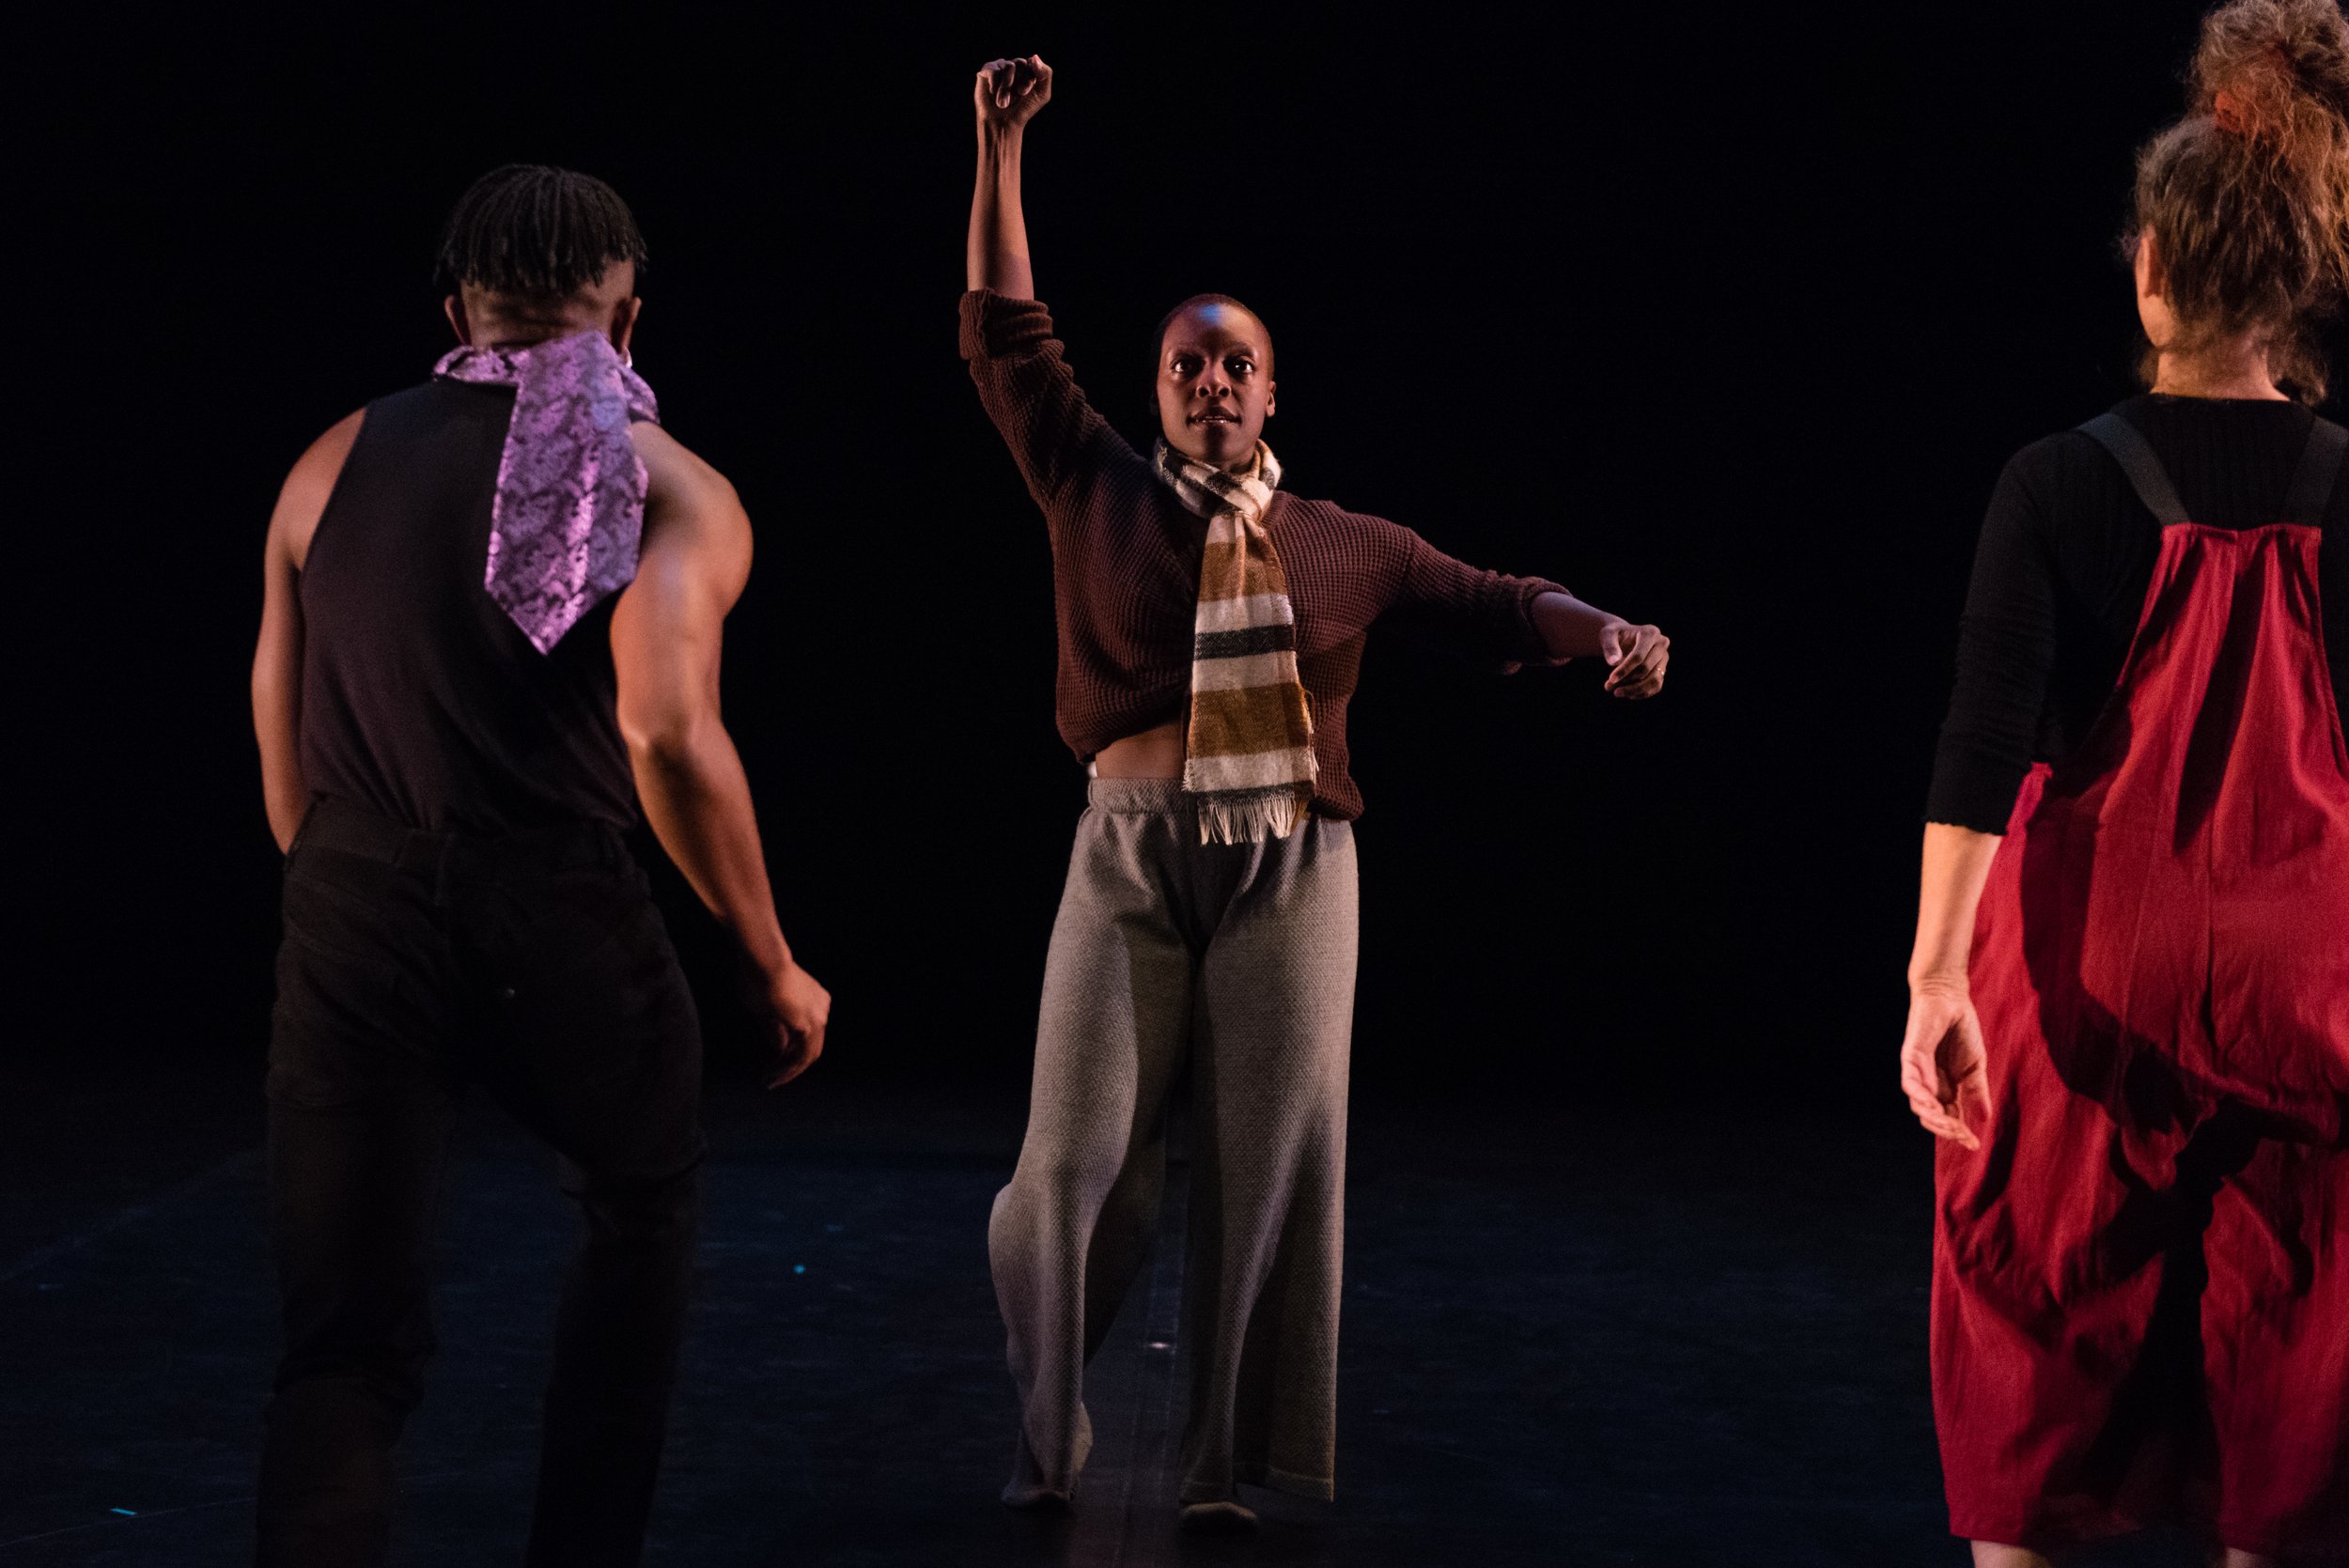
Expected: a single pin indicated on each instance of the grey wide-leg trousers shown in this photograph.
(1236, 962)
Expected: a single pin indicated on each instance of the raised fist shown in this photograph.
(1009, 92)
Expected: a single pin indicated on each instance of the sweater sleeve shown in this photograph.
(1055, 436)
(1488, 616)
(2005, 654)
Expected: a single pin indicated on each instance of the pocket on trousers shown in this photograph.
(344, 1025)
(336, 904)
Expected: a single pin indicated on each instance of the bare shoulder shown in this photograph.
(676, 474)
(302, 499)
(689, 504)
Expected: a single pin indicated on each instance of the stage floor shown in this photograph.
(1601, 1338)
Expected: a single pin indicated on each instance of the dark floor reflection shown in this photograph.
(1627, 1338)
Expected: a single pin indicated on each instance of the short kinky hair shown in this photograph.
(536, 232)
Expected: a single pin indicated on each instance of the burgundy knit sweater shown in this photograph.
(1125, 563)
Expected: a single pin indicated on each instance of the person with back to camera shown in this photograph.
(490, 630)
(1210, 628)
(2129, 1021)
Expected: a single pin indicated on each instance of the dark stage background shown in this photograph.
(1725, 317)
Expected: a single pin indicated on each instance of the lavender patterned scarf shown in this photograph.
(569, 513)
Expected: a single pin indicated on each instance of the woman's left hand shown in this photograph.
(1637, 655)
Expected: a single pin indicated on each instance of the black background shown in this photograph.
(1725, 317)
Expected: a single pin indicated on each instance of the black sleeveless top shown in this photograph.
(421, 701)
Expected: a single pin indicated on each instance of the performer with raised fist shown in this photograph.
(1212, 622)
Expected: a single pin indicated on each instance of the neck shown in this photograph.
(508, 323)
(519, 336)
(1238, 465)
(2236, 367)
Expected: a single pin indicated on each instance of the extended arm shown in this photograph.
(1517, 618)
(1060, 441)
(666, 634)
(277, 656)
(1636, 654)
(1006, 95)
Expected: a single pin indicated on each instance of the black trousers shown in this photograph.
(413, 965)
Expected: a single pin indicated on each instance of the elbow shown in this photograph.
(665, 741)
(667, 764)
(667, 748)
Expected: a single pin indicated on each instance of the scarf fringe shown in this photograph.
(1244, 593)
(1247, 816)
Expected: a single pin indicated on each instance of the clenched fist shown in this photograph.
(1636, 655)
(1009, 92)
(797, 1009)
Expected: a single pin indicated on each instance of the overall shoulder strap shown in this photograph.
(2135, 454)
(2312, 492)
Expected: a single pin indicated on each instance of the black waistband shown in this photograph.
(350, 829)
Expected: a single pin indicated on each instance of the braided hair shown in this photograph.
(534, 232)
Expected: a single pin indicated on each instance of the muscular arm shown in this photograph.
(277, 659)
(666, 633)
(1006, 95)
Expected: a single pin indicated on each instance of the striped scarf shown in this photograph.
(1250, 750)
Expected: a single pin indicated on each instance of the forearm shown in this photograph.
(1569, 627)
(285, 793)
(996, 254)
(698, 802)
(276, 727)
(1956, 865)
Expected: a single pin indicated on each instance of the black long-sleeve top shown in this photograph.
(2060, 579)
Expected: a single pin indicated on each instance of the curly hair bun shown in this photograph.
(2277, 71)
(2247, 196)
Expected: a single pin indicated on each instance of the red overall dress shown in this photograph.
(2140, 1292)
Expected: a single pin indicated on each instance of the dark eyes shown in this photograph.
(1190, 365)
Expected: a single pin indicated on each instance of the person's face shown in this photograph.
(1215, 384)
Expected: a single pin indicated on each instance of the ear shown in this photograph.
(624, 316)
(2151, 280)
(454, 308)
(1272, 398)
